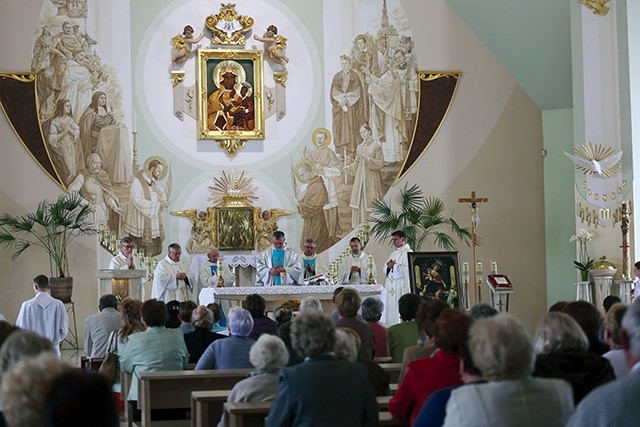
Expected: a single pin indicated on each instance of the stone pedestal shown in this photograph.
(121, 283)
(584, 291)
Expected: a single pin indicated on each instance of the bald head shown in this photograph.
(213, 255)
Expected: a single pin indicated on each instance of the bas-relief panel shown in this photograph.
(349, 160)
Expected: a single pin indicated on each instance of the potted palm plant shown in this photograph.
(419, 217)
(52, 227)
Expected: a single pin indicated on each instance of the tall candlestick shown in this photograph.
(479, 279)
(494, 267)
(465, 285)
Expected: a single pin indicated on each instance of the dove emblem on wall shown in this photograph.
(602, 168)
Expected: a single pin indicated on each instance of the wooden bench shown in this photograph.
(393, 369)
(250, 414)
(207, 407)
(172, 389)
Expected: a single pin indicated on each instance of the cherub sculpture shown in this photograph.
(201, 230)
(182, 44)
(274, 45)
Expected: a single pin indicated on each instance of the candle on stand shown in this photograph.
(465, 273)
(479, 280)
(494, 267)
(134, 122)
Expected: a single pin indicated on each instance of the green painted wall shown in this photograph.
(557, 128)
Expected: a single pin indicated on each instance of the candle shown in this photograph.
(465, 273)
(479, 272)
(134, 123)
(494, 267)
(219, 268)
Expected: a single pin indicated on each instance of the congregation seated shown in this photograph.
(202, 336)
(612, 335)
(442, 369)
(348, 303)
(173, 310)
(24, 388)
(348, 348)
(284, 331)
(257, 306)
(131, 323)
(335, 315)
(614, 404)
(607, 303)
(561, 352)
(588, 318)
(404, 334)
(283, 314)
(322, 390)
(503, 352)
(372, 308)
(428, 313)
(185, 312)
(231, 352)
(79, 398)
(268, 355)
(153, 350)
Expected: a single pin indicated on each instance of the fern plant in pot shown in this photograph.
(52, 227)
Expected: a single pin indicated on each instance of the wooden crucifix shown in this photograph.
(473, 202)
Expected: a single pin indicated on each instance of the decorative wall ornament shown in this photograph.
(598, 6)
(227, 27)
(181, 45)
(602, 185)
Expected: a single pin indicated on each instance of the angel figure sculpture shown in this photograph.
(267, 224)
(201, 230)
(274, 45)
(182, 44)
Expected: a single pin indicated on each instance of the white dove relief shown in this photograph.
(604, 166)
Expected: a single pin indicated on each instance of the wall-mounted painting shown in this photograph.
(436, 275)
(230, 94)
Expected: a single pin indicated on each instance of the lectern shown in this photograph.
(121, 283)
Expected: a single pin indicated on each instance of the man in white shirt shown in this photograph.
(44, 314)
(312, 264)
(354, 269)
(172, 279)
(278, 265)
(125, 259)
(397, 276)
(98, 326)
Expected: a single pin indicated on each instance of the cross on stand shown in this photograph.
(474, 201)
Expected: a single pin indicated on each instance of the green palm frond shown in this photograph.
(419, 218)
(52, 227)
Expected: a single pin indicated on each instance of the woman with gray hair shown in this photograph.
(232, 352)
(372, 308)
(20, 345)
(561, 348)
(268, 355)
(284, 331)
(502, 350)
(202, 336)
(322, 390)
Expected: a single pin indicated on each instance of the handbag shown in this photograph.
(111, 364)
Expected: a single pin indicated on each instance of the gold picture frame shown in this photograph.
(230, 88)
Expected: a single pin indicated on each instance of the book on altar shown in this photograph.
(499, 283)
(318, 279)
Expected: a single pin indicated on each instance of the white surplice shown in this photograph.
(165, 285)
(396, 283)
(45, 316)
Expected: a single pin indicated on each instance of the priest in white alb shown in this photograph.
(125, 259)
(396, 271)
(355, 269)
(208, 274)
(278, 265)
(172, 278)
(313, 265)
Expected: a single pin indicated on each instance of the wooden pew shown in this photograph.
(250, 414)
(207, 407)
(172, 389)
(393, 369)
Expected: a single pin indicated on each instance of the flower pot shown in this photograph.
(61, 288)
(584, 275)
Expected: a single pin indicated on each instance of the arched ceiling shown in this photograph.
(532, 40)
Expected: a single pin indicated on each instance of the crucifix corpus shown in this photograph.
(474, 203)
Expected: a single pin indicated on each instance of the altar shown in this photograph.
(277, 295)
